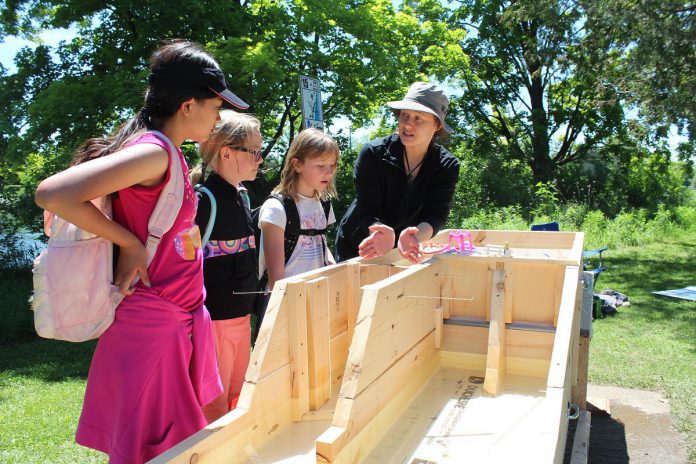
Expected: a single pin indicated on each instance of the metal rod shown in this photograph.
(438, 297)
(261, 292)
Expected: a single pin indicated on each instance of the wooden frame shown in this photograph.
(345, 350)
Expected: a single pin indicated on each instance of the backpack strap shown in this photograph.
(213, 212)
(169, 202)
(292, 226)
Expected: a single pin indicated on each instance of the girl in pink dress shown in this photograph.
(154, 368)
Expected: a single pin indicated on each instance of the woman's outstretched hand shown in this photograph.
(132, 262)
(409, 246)
(380, 241)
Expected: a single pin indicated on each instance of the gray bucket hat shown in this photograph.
(426, 97)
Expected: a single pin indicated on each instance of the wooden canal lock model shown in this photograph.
(474, 358)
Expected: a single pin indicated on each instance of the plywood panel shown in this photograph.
(318, 336)
(392, 319)
(534, 297)
(338, 297)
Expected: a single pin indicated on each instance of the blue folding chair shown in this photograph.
(554, 227)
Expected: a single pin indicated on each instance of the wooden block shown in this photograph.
(353, 293)
(495, 359)
(299, 364)
(337, 295)
(318, 333)
(597, 405)
(339, 354)
(438, 326)
(509, 291)
(581, 441)
(446, 293)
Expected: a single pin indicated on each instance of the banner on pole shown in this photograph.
(312, 112)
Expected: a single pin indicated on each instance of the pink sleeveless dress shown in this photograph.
(155, 367)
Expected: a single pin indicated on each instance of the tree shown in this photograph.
(364, 52)
(536, 83)
(658, 71)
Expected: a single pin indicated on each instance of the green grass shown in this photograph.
(652, 343)
(649, 345)
(42, 383)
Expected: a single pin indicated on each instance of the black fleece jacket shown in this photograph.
(385, 195)
(228, 273)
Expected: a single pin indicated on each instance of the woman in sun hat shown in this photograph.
(404, 182)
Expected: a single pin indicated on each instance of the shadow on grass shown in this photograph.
(47, 360)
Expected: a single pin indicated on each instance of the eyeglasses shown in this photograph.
(257, 154)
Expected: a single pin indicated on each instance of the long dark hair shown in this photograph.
(161, 101)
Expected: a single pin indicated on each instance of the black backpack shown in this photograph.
(292, 227)
(292, 235)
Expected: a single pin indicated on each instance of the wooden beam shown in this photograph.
(495, 359)
(438, 326)
(581, 441)
(318, 336)
(568, 320)
(353, 293)
(299, 364)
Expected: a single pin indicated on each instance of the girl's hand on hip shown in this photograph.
(132, 263)
(409, 246)
(380, 241)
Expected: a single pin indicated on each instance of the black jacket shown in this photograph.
(385, 195)
(233, 272)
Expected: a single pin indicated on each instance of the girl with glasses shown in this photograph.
(232, 154)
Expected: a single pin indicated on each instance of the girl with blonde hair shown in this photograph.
(233, 154)
(293, 221)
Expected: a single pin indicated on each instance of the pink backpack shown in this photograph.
(74, 298)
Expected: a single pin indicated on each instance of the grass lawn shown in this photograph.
(649, 345)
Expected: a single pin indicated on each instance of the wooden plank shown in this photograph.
(336, 291)
(527, 344)
(464, 339)
(360, 423)
(579, 393)
(581, 441)
(371, 273)
(534, 297)
(233, 438)
(353, 293)
(568, 320)
(495, 359)
(318, 336)
(446, 294)
(509, 290)
(339, 355)
(299, 363)
(559, 275)
(271, 349)
(578, 245)
(390, 323)
(438, 326)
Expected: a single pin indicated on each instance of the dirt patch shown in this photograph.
(639, 428)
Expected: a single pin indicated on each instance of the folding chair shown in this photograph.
(554, 227)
